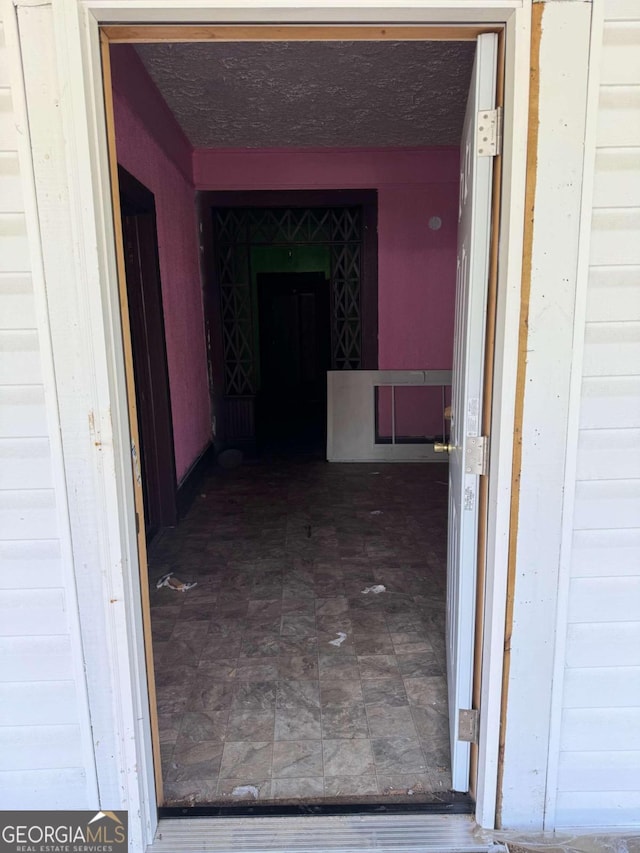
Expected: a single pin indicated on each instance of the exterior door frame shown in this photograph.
(69, 139)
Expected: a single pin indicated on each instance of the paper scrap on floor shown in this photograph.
(175, 584)
(339, 640)
(376, 589)
(246, 791)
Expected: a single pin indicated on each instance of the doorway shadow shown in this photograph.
(295, 355)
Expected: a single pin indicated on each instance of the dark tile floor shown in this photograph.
(255, 699)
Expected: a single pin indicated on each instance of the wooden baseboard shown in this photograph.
(192, 481)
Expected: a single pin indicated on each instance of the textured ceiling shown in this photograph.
(314, 93)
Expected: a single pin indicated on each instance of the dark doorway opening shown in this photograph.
(247, 235)
(295, 355)
(146, 317)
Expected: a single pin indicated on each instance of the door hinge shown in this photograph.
(137, 523)
(468, 722)
(489, 142)
(476, 457)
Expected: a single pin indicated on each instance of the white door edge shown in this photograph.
(474, 237)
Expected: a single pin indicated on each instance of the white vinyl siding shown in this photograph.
(599, 762)
(44, 730)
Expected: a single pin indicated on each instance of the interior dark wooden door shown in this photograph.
(146, 318)
(294, 352)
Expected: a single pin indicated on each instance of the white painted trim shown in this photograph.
(573, 416)
(514, 166)
(82, 62)
(108, 538)
(563, 55)
(304, 11)
(10, 23)
(140, 755)
(74, 214)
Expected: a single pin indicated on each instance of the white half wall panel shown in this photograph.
(353, 409)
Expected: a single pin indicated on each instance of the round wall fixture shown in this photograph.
(435, 223)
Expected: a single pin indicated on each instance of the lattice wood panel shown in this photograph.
(235, 309)
(290, 225)
(346, 275)
(238, 229)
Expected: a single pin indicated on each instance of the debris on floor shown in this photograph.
(394, 791)
(175, 584)
(230, 458)
(247, 547)
(376, 589)
(189, 800)
(246, 791)
(376, 512)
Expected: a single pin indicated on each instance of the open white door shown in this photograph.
(466, 445)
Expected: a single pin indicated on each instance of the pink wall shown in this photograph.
(416, 266)
(151, 146)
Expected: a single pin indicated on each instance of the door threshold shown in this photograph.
(354, 833)
(456, 804)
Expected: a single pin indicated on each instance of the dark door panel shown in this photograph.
(146, 319)
(294, 354)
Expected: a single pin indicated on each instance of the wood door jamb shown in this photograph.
(157, 33)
